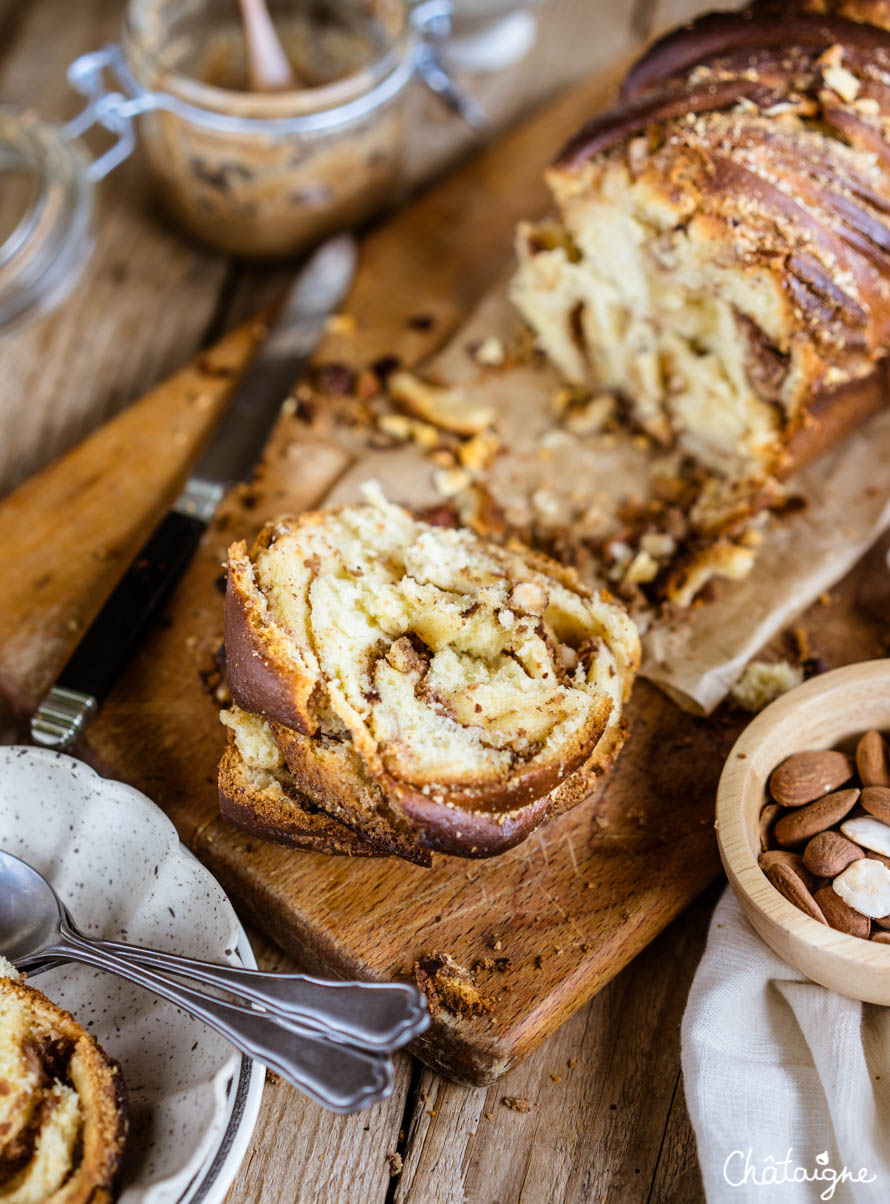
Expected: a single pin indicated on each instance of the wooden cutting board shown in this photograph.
(549, 923)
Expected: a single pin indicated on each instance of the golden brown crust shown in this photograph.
(274, 810)
(832, 416)
(60, 1054)
(262, 676)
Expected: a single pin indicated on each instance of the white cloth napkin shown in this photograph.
(773, 1063)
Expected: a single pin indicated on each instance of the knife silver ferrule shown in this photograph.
(199, 499)
(61, 717)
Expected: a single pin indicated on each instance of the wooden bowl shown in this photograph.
(830, 711)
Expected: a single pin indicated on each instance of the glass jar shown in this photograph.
(253, 174)
(268, 174)
(46, 214)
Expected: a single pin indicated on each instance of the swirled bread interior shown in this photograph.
(452, 670)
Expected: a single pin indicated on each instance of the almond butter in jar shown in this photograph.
(269, 174)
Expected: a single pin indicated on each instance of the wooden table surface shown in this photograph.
(607, 1118)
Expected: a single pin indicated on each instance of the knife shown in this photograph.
(233, 450)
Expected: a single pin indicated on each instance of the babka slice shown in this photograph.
(63, 1110)
(428, 689)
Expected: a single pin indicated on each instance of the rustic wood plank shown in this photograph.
(600, 1094)
(302, 1154)
(677, 1176)
(96, 507)
(145, 299)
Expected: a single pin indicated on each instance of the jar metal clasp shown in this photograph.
(112, 110)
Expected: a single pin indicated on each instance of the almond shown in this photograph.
(840, 915)
(882, 938)
(869, 833)
(450, 409)
(829, 853)
(876, 801)
(789, 884)
(785, 857)
(871, 760)
(806, 822)
(806, 776)
(865, 886)
(768, 817)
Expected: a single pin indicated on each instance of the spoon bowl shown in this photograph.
(30, 912)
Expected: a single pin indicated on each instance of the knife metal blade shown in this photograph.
(297, 327)
(233, 450)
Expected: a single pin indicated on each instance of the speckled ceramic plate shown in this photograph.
(117, 862)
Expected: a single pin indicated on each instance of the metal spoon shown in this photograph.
(34, 929)
(380, 1016)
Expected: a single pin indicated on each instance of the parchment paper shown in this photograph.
(545, 469)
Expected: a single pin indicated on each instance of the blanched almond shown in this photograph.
(791, 886)
(871, 760)
(829, 853)
(865, 886)
(840, 915)
(869, 833)
(876, 801)
(803, 823)
(806, 776)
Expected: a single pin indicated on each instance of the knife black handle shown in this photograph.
(117, 630)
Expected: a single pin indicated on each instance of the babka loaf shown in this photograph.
(721, 260)
(427, 689)
(63, 1114)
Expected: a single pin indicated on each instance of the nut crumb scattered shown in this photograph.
(517, 1103)
(762, 683)
(490, 352)
(395, 1163)
(340, 324)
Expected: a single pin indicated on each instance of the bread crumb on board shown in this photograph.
(395, 1163)
(762, 683)
(450, 986)
(517, 1103)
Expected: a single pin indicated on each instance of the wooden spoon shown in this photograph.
(268, 69)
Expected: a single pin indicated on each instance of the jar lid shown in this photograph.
(47, 206)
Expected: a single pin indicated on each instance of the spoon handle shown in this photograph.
(377, 1015)
(337, 1076)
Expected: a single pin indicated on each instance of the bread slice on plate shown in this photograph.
(63, 1110)
(428, 689)
(257, 792)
